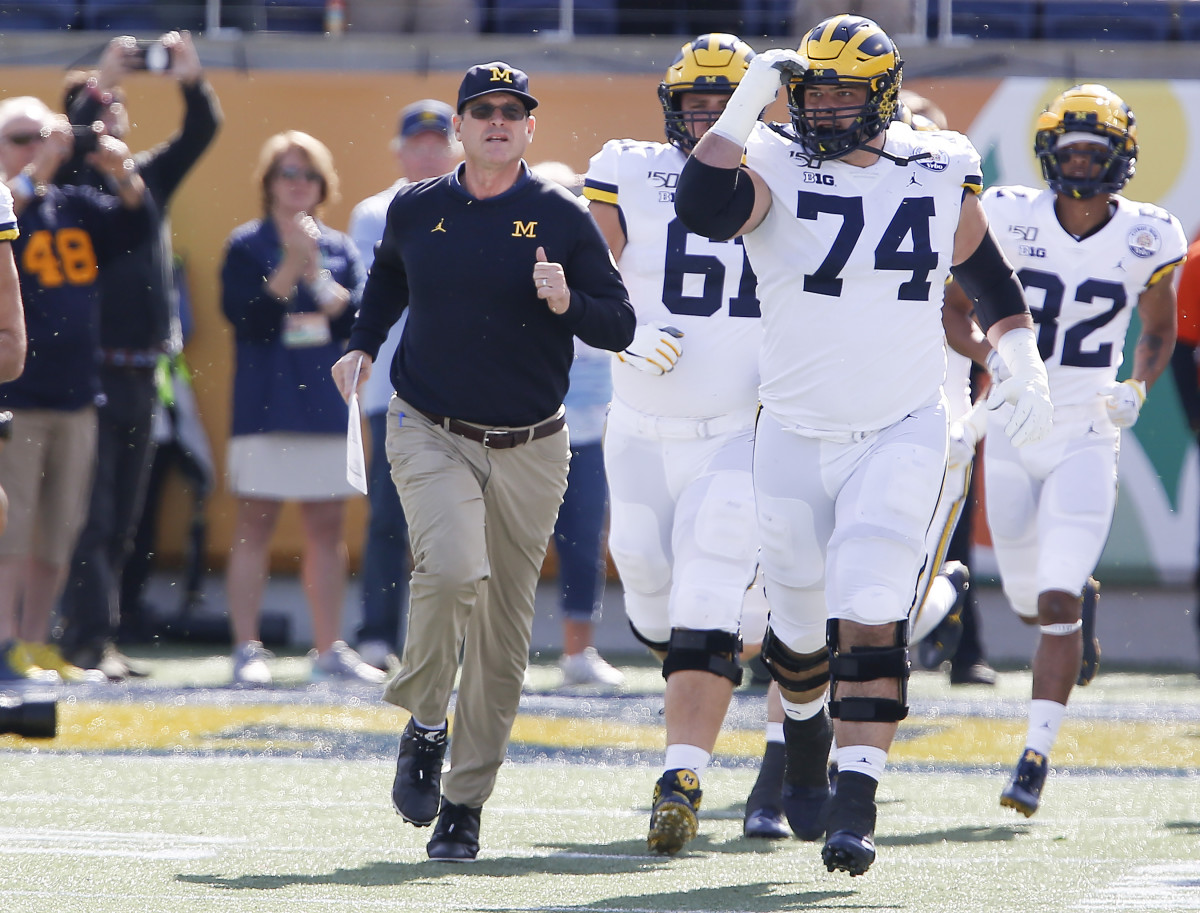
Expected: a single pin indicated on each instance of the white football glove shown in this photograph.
(655, 348)
(755, 90)
(1124, 401)
(1028, 389)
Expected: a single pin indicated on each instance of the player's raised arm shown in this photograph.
(717, 198)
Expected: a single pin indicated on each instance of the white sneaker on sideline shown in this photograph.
(250, 664)
(589, 668)
(340, 663)
(378, 653)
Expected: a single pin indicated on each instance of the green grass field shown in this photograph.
(179, 796)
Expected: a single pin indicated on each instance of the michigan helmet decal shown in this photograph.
(1077, 114)
(845, 51)
(710, 63)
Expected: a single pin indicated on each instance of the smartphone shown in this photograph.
(86, 138)
(150, 54)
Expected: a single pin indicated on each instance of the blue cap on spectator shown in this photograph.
(426, 114)
(496, 76)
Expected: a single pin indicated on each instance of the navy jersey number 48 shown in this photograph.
(679, 264)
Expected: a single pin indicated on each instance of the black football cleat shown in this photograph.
(850, 846)
(766, 823)
(1024, 793)
(417, 789)
(673, 820)
(1091, 646)
(456, 837)
(942, 642)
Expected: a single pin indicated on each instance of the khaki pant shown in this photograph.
(480, 521)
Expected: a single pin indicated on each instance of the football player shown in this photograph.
(679, 439)
(1085, 255)
(852, 222)
(943, 622)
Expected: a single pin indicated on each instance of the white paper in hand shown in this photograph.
(356, 460)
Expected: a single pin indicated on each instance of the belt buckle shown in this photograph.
(487, 436)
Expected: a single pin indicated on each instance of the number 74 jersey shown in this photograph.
(851, 264)
(1082, 292)
(704, 288)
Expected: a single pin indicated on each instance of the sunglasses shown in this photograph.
(24, 139)
(509, 111)
(297, 174)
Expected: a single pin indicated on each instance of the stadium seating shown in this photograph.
(1008, 20)
(1188, 20)
(1107, 20)
(38, 14)
(592, 17)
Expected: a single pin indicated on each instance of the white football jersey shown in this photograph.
(851, 266)
(8, 221)
(1082, 292)
(704, 288)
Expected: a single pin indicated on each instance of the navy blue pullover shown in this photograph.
(479, 344)
(68, 237)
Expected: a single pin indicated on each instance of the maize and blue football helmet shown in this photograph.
(711, 63)
(845, 51)
(1096, 111)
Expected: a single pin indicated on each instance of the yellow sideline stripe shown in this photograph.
(163, 726)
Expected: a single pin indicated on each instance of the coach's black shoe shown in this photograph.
(976, 673)
(764, 809)
(806, 776)
(673, 819)
(942, 642)
(417, 789)
(850, 846)
(1024, 793)
(1091, 646)
(456, 837)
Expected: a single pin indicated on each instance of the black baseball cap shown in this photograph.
(497, 76)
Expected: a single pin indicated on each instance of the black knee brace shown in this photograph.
(795, 672)
(705, 651)
(658, 647)
(865, 664)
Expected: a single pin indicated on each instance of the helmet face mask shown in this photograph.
(1074, 120)
(711, 64)
(844, 52)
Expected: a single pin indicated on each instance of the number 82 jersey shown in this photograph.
(704, 288)
(1081, 290)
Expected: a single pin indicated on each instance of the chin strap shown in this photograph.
(789, 133)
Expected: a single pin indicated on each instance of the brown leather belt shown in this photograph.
(498, 438)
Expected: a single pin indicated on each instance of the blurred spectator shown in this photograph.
(290, 287)
(579, 539)
(180, 442)
(67, 235)
(139, 333)
(424, 147)
(1185, 359)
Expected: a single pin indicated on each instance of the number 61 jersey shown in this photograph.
(704, 288)
(1081, 290)
(851, 264)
